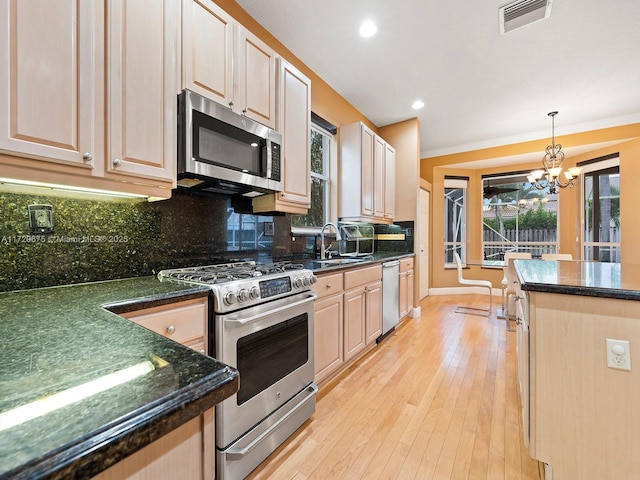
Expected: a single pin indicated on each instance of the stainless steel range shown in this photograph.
(262, 324)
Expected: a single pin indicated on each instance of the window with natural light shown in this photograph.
(320, 181)
(455, 200)
(601, 211)
(516, 218)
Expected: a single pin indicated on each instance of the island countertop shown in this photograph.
(592, 279)
(58, 340)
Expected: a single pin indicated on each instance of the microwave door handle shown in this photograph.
(269, 159)
(236, 323)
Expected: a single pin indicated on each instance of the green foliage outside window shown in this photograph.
(319, 182)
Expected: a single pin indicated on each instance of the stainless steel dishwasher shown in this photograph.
(390, 296)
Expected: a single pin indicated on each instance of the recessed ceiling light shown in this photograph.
(417, 105)
(368, 29)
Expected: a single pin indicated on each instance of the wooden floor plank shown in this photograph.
(437, 399)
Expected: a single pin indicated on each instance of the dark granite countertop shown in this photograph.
(56, 339)
(319, 267)
(591, 279)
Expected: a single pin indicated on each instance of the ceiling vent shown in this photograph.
(523, 12)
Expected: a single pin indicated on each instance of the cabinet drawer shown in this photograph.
(406, 264)
(328, 285)
(362, 276)
(183, 322)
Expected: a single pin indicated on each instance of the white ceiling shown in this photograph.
(480, 88)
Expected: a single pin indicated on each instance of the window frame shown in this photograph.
(602, 165)
(456, 245)
(328, 178)
(536, 247)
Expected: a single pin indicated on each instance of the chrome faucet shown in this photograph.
(323, 249)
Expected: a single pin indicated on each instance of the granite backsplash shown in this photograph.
(105, 238)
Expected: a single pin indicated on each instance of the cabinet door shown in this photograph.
(142, 87)
(409, 293)
(379, 177)
(373, 312)
(403, 288)
(389, 182)
(186, 452)
(368, 141)
(354, 327)
(51, 80)
(328, 335)
(256, 78)
(207, 50)
(294, 107)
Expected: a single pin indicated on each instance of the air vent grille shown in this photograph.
(523, 12)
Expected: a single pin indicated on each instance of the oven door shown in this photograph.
(272, 346)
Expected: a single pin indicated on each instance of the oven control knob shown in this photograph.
(254, 292)
(243, 295)
(312, 279)
(229, 298)
(297, 282)
(306, 281)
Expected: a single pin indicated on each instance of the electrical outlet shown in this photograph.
(41, 218)
(618, 354)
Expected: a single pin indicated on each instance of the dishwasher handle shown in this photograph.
(394, 263)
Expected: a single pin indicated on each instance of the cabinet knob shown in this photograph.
(202, 351)
(87, 157)
(244, 112)
(518, 298)
(518, 321)
(231, 104)
(117, 162)
(328, 285)
(171, 329)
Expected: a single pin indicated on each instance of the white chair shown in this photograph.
(475, 283)
(507, 283)
(557, 256)
(507, 257)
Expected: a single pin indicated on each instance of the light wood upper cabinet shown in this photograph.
(226, 63)
(89, 90)
(379, 173)
(50, 85)
(367, 176)
(294, 122)
(207, 50)
(256, 78)
(142, 84)
(389, 182)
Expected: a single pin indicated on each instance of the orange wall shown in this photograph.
(434, 170)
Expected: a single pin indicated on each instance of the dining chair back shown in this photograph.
(485, 312)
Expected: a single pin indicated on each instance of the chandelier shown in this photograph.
(550, 177)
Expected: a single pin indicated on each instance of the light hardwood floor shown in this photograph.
(437, 399)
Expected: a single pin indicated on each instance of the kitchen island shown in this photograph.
(580, 416)
(120, 385)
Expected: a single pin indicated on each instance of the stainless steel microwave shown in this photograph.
(220, 151)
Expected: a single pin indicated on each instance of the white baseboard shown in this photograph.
(415, 312)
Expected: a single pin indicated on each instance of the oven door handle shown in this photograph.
(237, 453)
(241, 322)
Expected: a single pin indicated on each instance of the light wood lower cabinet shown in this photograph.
(179, 454)
(329, 328)
(406, 286)
(188, 452)
(184, 322)
(583, 414)
(348, 317)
